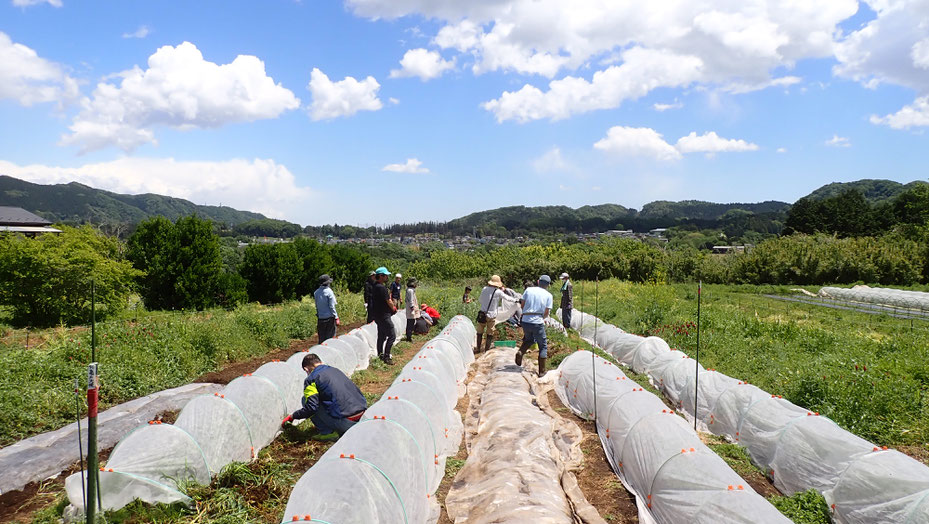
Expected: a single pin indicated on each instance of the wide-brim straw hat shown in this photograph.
(495, 281)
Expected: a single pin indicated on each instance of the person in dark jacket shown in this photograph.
(369, 291)
(330, 399)
(395, 287)
(567, 300)
(381, 308)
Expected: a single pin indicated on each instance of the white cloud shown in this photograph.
(343, 98)
(839, 141)
(920, 54)
(637, 141)
(913, 115)
(644, 141)
(665, 107)
(551, 160)
(181, 90)
(29, 79)
(412, 165)
(393, 100)
(141, 32)
(712, 143)
(642, 71)
(739, 45)
(27, 3)
(423, 64)
(891, 48)
(259, 185)
(782, 150)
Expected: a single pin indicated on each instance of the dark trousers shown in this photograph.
(566, 317)
(410, 324)
(386, 336)
(325, 424)
(325, 328)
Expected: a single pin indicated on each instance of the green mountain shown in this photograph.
(700, 210)
(512, 218)
(75, 203)
(875, 191)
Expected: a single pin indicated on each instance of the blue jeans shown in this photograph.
(325, 424)
(535, 333)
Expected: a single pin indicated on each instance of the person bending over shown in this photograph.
(330, 399)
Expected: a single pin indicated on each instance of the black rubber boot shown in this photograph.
(542, 370)
(488, 342)
(479, 337)
(522, 352)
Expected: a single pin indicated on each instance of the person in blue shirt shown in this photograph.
(326, 316)
(330, 399)
(537, 305)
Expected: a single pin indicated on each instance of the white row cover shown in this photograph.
(656, 454)
(386, 468)
(212, 431)
(900, 298)
(798, 449)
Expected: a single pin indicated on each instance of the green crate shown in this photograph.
(505, 343)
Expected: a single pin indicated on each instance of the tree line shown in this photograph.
(171, 265)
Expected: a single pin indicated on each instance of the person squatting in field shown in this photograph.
(326, 316)
(537, 304)
(490, 301)
(330, 399)
(380, 309)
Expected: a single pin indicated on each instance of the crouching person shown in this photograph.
(330, 399)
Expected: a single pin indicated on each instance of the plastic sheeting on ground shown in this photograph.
(798, 449)
(211, 431)
(656, 454)
(46, 455)
(900, 298)
(386, 468)
(520, 452)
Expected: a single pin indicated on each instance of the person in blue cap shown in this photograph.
(537, 305)
(381, 309)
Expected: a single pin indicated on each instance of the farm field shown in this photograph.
(869, 373)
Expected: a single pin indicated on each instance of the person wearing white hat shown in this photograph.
(395, 288)
(567, 300)
(489, 302)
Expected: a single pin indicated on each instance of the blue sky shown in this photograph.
(382, 111)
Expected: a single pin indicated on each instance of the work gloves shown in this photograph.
(287, 419)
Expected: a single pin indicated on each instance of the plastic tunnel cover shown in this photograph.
(417, 423)
(445, 353)
(452, 349)
(346, 351)
(345, 491)
(762, 425)
(882, 486)
(261, 402)
(287, 379)
(361, 348)
(335, 358)
(405, 464)
(149, 462)
(643, 455)
(447, 425)
(221, 426)
(422, 373)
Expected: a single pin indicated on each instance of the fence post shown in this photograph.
(697, 367)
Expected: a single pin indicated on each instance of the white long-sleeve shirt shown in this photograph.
(491, 302)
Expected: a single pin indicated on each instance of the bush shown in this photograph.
(182, 262)
(47, 280)
(272, 272)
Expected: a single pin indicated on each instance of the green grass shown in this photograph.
(137, 357)
(452, 467)
(806, 507)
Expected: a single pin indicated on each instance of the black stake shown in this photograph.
(697, 367)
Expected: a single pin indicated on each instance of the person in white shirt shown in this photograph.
(490, 301)
(537, 305)
(412, 308)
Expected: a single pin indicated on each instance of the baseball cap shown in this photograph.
(564, 275)
(382, 271)
(546, 279)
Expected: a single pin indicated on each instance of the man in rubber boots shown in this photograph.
(330, 399)
(369, 288)
(326, 316)
(381, 308)
(537, 304)
(489, 302)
